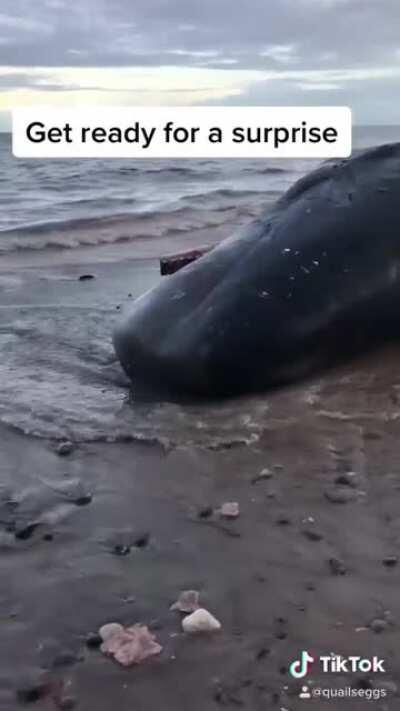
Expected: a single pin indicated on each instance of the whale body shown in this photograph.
(316, 279)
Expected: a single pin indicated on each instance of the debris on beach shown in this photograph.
(188, 601)
(347, 479)
(337, 566)
(390, 561)
(340, 495)
(65, 448)
(128, 645)
(205, 512)
(200, 621)
(263, 475)
(230, 509)
(378, 626)
(86, 277)
(93, 640)
(310, 530)
(173, 262)
(122, 542)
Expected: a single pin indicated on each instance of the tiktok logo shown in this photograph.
(301, 667)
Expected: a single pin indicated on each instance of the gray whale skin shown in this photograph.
(315, 280)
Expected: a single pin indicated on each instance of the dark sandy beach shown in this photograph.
(297, 570)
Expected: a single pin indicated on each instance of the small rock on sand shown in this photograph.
(348, 479)
(93, 640)
(340, 495)
(64, 449)
(337, 566)
(200, 621)
(312, 533)
(229, 509)
(390, 561)
(378, 626)
(264, 475)
(188, 601)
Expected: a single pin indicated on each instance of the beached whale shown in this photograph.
(315, 280)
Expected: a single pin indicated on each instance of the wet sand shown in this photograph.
(278, 581)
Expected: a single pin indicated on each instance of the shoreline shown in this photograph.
(267, 576)
(302, 568)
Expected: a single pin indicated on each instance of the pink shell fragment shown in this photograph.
(131, 645)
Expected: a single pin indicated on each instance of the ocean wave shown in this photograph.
(194, 212)
(273, 170)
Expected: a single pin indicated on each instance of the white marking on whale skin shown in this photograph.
(178, 295)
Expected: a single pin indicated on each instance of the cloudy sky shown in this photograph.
(159, 52)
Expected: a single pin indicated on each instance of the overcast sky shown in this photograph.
(141, 52)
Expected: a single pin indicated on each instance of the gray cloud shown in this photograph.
(293, 38)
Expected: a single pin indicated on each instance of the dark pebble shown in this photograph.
(262, 653)
(312, 534)
(48, 537)
(372, 435)
(205, 512)
(86, 277)
(64, 449)
(93, 640)
(378, 626)
(83, 500)
(390, 561)
(119, 549)
(22, 534)
(281, 635)
(310, 587)
(155, 625)
(283, 521)
(142, 540)
(337, 566)
(260, 578)
(346, 480)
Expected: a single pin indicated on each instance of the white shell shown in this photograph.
(200, 621)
